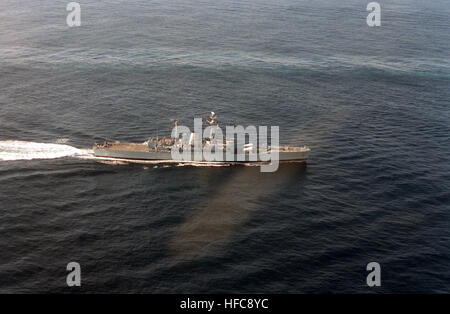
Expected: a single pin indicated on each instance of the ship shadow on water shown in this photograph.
(213, 223)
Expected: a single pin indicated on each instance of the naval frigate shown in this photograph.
(161, 149)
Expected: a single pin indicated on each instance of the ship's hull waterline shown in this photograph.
(166, 157)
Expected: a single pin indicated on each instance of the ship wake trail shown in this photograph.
(22, 150)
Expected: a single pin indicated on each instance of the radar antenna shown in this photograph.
(212, 118)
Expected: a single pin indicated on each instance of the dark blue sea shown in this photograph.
(372, 103)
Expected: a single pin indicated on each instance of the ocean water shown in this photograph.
(371, 102)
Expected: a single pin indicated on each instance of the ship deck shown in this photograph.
(143, 147)
(129, 147)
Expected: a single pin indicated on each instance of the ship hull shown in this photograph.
(167, 156)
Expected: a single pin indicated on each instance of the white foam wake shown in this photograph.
(21, 150)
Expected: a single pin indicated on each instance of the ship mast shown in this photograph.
(212, 121)
(175, 122)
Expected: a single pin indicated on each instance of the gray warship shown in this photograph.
(159, 149)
